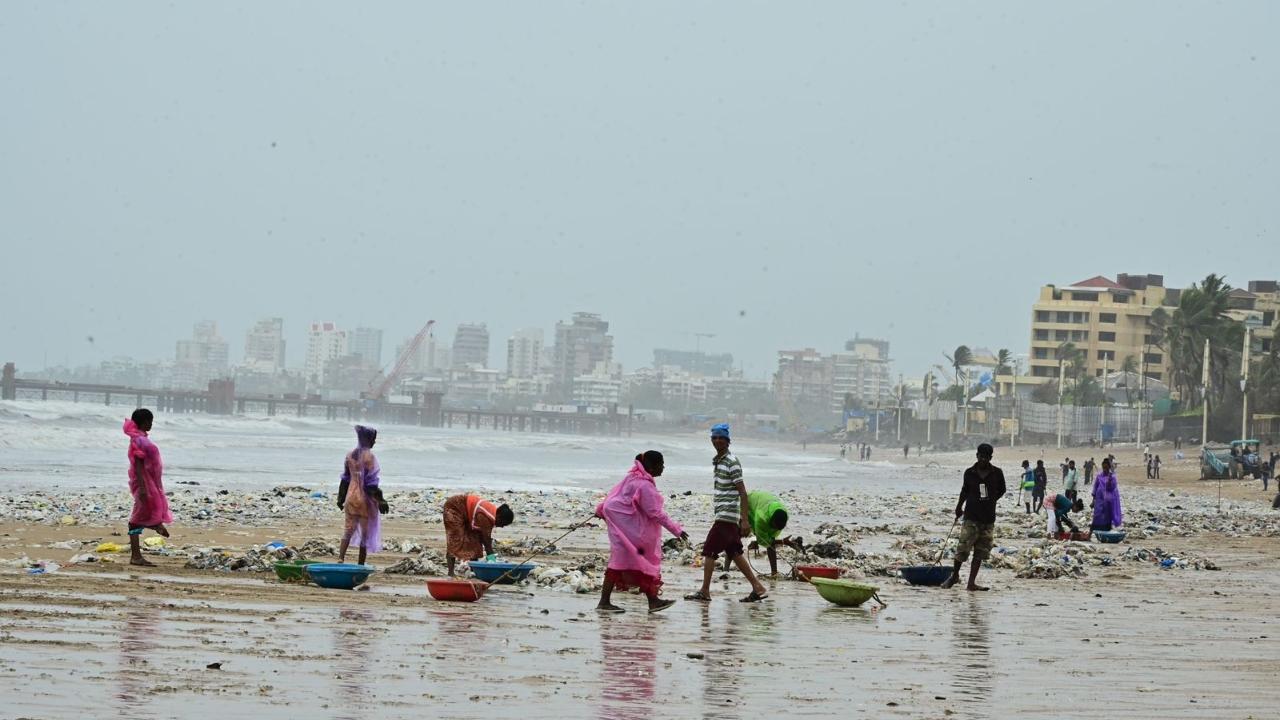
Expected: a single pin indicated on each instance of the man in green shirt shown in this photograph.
(768, 518)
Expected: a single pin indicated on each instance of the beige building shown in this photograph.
(1259, 308)
(1108, 319)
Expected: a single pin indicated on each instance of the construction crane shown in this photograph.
(389, 380)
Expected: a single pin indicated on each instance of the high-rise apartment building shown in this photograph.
(200, 359)
(694, 362)
(1109, 320)
(580, 346)
(524, 353)
(264, 346)
(803, 379)
(862, 371)
(471, 345)
(325, 342)
(367, 343)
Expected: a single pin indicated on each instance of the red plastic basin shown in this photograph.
(456, 590)
(822, 571)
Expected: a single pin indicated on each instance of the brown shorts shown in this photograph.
(976, 538)
(723, 537)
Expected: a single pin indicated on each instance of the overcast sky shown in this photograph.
(783, 175)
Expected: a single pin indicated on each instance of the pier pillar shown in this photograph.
(9, 382)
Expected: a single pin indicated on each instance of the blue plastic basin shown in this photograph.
(491, 571)
(1109, 536)
(925, 574)
(342, 576)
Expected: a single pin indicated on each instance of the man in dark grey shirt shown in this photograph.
(983, 485)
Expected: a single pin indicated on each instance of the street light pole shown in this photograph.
(899, 407)
(1102, 421)
(1244, 381)
(1062, 379)
(928, 396)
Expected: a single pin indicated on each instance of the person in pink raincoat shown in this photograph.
(633, 511)
(150, 506)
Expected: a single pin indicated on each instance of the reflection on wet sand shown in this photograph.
(355, 638)
(971, 641)
(722, 640)
(137, 642)
(629, 667)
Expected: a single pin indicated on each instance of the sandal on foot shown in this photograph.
(609, 610)
(698, 596)
(661, 606)
(754, 597)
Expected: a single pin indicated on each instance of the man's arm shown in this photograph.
(744, 509)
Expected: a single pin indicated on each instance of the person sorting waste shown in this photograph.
(361, 501)
(768, 519)
(982, 486)
(633, 511)
(1059, 509)
(469, 521)
(1107, 514)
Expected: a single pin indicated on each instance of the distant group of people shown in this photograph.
(864, 451)
(1152, 463)
(1106, 493)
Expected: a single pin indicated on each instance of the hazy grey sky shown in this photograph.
(784, 174)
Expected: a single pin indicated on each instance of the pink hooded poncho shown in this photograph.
(633, 511)
(154, 510)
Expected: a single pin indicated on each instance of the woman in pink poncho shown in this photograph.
(150, 506)
(633, 511)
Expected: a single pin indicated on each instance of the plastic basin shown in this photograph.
(455, 590)
(1110, 536)
(338, 576)
(291, 570)
(812, 571)
(491, 571)
(845, 593)
(932, 575)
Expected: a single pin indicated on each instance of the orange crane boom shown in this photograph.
(390, 380)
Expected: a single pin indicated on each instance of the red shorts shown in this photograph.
(723, 537)
(624, 580)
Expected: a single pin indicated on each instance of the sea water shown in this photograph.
(82, 445)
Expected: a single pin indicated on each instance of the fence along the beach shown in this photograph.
(1082, 423)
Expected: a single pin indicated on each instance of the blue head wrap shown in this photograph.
(365, 435)
(721, 430)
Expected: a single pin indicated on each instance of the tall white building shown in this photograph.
(524, 353)
(325, 342)
(471, 345)
(862, 371)
(200, 359)
(579, 346)
(264, 346)
(367, 343)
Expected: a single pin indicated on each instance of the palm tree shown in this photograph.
(1130, 368)
(961, 357)
(1004, 364)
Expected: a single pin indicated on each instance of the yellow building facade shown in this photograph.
(1108, 319)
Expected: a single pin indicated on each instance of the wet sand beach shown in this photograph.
(1124, 638)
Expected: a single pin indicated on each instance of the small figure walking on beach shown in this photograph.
(1038, 490)
(1028, 485)
(361, 501)
(150, 505)
(469, 521)
(983, 485)
(633, 511)
(732, 521)
(1071, 482)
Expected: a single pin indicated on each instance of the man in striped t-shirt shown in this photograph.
(732, 521)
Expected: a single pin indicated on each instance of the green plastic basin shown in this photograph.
(845, 593)
(291, 570)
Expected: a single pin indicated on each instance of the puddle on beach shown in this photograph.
(931, 652)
